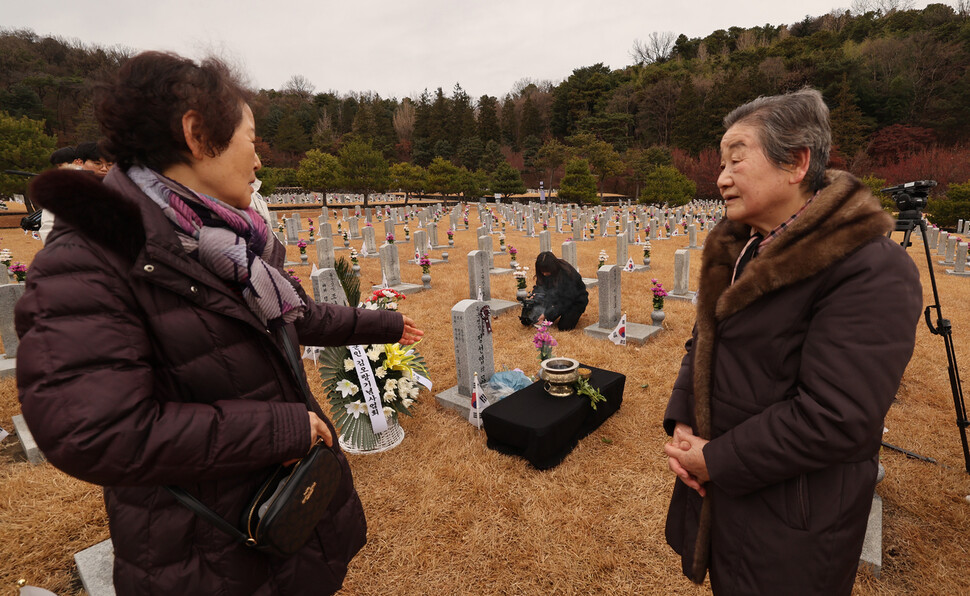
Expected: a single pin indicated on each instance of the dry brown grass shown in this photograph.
(447, 515)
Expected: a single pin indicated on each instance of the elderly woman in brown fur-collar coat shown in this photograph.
(806, 319)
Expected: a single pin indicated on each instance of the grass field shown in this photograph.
(447, 515)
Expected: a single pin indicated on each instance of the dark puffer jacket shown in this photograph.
(139, 368)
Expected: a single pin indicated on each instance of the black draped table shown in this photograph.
(542, 428)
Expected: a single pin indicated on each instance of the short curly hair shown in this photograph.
(141, 109)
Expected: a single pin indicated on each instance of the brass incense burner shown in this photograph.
(560, 374)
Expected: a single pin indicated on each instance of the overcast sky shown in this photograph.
(397, 48)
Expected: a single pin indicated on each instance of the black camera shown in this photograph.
(911, 196)
(532, 308)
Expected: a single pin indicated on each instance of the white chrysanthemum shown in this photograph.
(381, 372)
(415, 391)
(403, 391)
(408, 402)
(348, 364)
(388, 412)
(370, 306)
(346, 388)
(374, 353)
(389, 396)
(390, 385)
(405, 383)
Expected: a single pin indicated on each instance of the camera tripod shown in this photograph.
(907, 222)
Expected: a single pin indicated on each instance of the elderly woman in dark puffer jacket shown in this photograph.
(151, 349)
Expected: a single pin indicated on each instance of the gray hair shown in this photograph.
(787, 123)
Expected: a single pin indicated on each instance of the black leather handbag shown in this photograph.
(289, 504)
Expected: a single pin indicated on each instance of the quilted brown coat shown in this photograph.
(790, 373)
(138, 368)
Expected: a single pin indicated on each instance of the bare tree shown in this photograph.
(404, 118)
(657, 47)
(300, 86)
(883, 7)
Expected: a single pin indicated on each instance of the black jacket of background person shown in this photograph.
(562, 294)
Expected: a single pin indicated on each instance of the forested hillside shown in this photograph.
(897, 85)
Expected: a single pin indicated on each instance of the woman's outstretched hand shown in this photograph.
(411, 332)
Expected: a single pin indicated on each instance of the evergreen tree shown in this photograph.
(23, 146)
(470, 153)
(422, 152)
(443, 177)
(444, 149)
(472, 184)
(507, 181)
(462, 117)
(440, 117)
(492, 157)
(531, 125)
(408, 178)
(488, 126)
(686, 133)
(318, 171)
(530, 152)
(850, 130)
(579, 184)
(290, 136)
(363, 169)
(665, 184)
(510, 124)
(552, 155)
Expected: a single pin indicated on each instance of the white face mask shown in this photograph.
(255, 185)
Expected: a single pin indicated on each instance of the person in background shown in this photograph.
(153, 335)
(559, 294)
(92, 160)
(63, 158)
(66, 157)
(806, 320)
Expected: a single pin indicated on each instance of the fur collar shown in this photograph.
(841, 219)
(97, 210)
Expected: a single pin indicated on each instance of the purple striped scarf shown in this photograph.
(231, 243)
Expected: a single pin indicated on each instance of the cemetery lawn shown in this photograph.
(447, 515)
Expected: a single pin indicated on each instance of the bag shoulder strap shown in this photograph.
(196, 506)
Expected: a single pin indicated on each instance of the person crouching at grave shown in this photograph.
(559, 295)
(154, 336)
(806, 319)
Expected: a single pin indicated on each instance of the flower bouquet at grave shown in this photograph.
(543, 340)
(501, 242)
(451, 234)
(390, 238)
(302, 246)
(354, 256)
(646, 250)
(545, 224)
(19, 271)
(520, 277)
(6, 257)
(346, 237)
(425, 263)
(602, 258)
(311, 232)
(512, 252)
(407, 233)
(398, 373)
(384, 299)
(658, 294)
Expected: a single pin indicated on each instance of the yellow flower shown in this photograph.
(401, 359)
